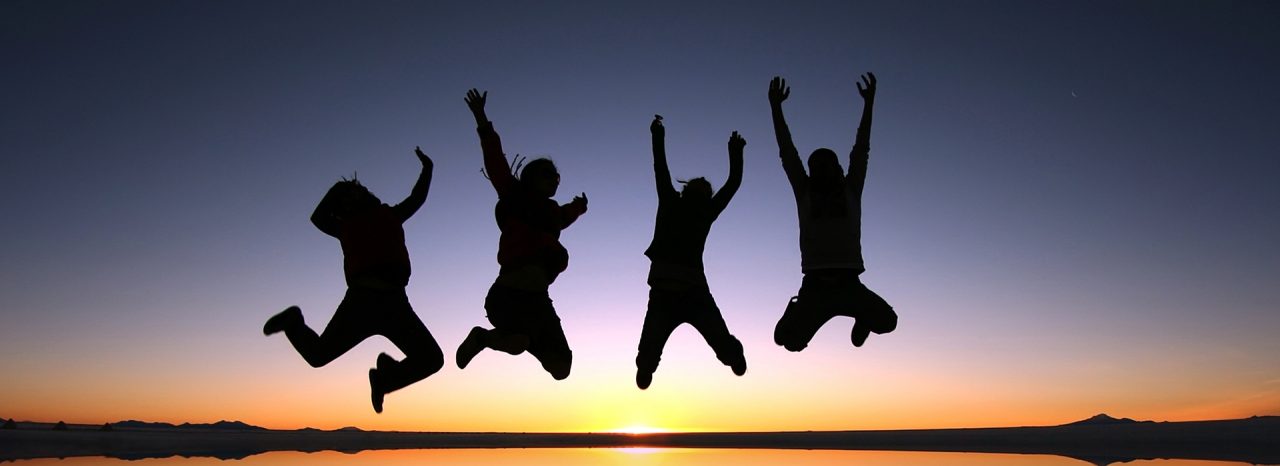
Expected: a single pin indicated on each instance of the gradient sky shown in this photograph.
(1071, 205)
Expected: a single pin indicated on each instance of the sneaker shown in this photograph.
(385, 360)
(375, 393)
(470, 347)
(739, 366)
(643, 379)
(285, 319)
(860, 334)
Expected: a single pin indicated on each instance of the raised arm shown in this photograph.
(722, 197)
(574, 209)
(661, 172)
(862, 143)
(411, 204)
(778, 92)
(495, 161)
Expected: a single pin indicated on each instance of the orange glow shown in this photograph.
(640, 430)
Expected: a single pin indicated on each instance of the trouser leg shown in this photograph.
(349, 326)
(423, 356)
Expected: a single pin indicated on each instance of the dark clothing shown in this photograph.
(830, 219)
(367, 312)
(682, 225)
(530, 224)
(680, 231)
(529, 313)
(826, 294)
(678, 290)
(373, 247)
(668, 309)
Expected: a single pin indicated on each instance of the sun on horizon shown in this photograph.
(640, 429)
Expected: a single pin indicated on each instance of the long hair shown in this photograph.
(826, 185)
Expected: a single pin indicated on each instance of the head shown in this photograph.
(824, 166)
(352, 198)
(696, 190)
(540, 177)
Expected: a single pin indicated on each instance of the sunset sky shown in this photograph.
(1073, 206)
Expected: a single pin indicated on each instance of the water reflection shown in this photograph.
(615, 456)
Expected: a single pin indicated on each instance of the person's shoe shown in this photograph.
(470, 347)
(739, 366)
(285, 319)
(643, 379)
(385, 360)
(375, 394)
(859, 334)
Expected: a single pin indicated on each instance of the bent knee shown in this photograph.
(318, 361)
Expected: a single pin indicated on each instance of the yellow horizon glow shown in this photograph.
(639, 429)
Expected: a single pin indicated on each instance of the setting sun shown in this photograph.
(640, 429)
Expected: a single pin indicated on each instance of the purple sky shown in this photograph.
(1076, 192)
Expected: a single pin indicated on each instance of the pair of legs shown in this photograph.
(828, 293)
(365, 312)
(669, 309)
(522, 321)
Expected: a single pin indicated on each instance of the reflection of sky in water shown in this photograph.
(619, 456)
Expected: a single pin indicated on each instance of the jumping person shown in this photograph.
(376, 265)
(829, 206)
(678, 290)
(529, 253)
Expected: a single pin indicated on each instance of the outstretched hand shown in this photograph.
(475, 101)
(778, 90)
(581, 199)
(736, 143)
(656, 127)
(426, 161)
(867, 87)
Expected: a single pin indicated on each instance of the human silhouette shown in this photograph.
(376, 265)
(829, 206)
(529, 252)
(678, 291)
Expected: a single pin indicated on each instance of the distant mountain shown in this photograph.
(220, 425)
(1103, 419)
(350, 429)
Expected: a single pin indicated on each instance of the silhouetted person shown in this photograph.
(829, 205)
(529, 253)
(376, 265)
(678, 291)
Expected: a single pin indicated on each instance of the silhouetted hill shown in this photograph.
(1102, 419)
(1102, 441)
(220, 425)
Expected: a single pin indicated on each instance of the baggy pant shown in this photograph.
(531, 313)
(365, 312)
(670, 308)
(826, 294)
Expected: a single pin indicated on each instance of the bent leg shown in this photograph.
(705, 316)
(547, 342)
(349, 326)
(422, 355)
(872, 314)
(799, 323)
(659, 322)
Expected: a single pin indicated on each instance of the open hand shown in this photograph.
(426, 161)
(656, 127)
(736, 143)
(475, 101)
(778, 90)
(867, 87)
